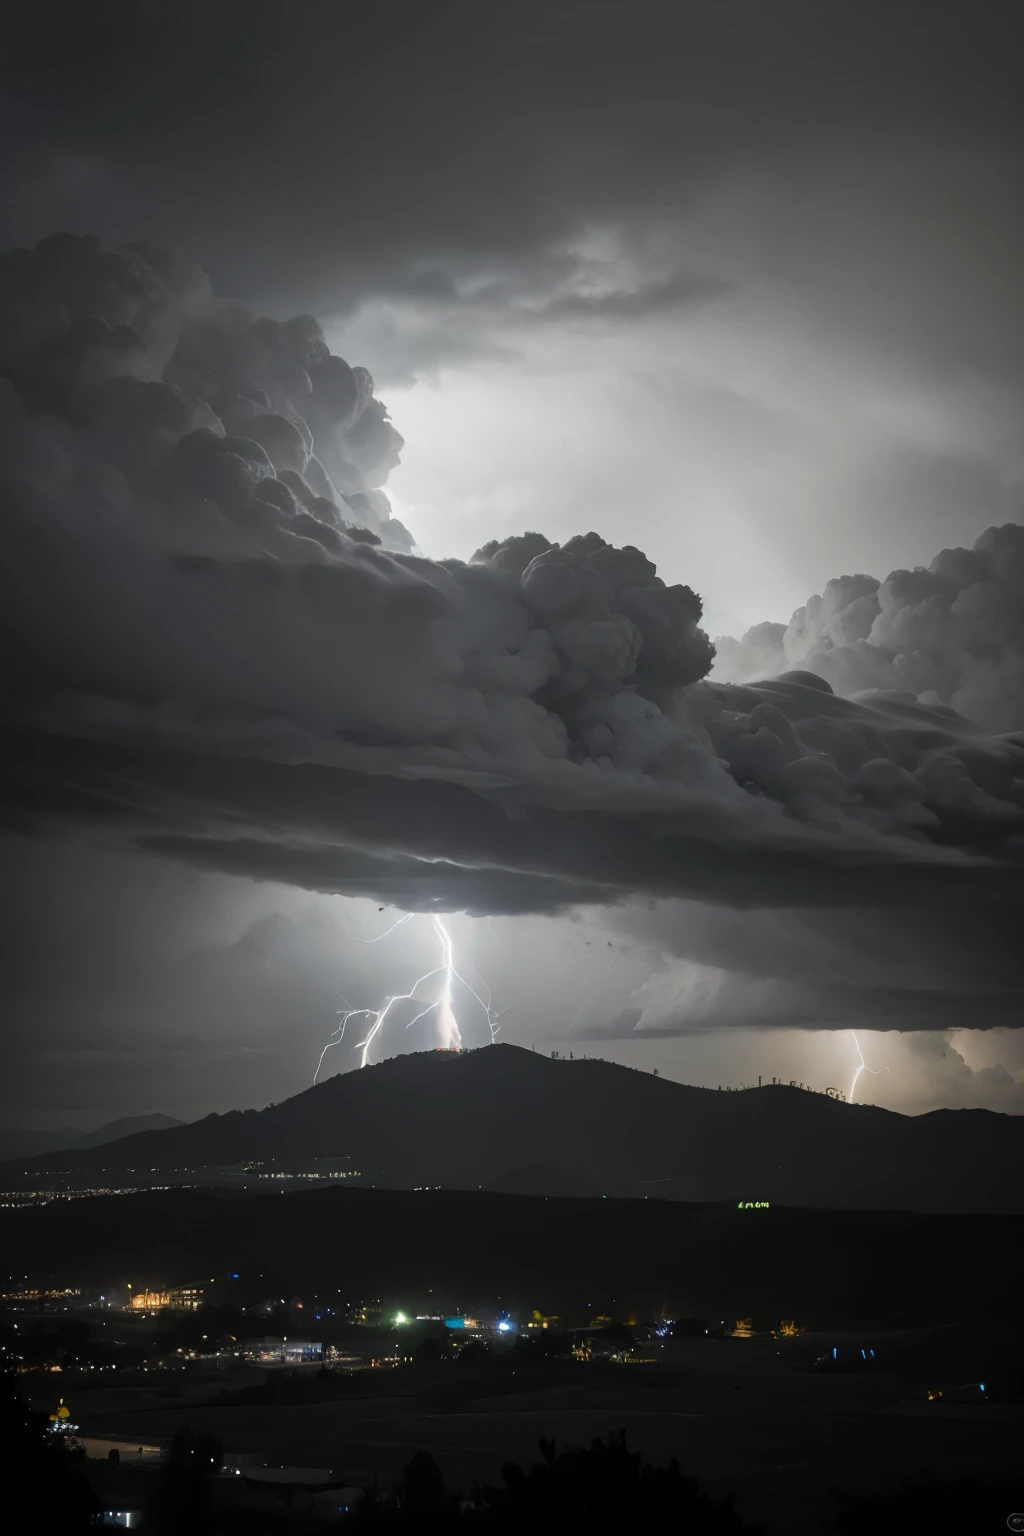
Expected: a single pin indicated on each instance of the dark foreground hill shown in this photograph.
(505, 1118)
(463, 1248)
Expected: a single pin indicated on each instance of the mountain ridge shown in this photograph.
(502, 1117)
(28, 1143)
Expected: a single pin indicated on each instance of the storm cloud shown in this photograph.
(950, 634)
(736, 287)
(229, 652)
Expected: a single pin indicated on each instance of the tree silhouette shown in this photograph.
(179, 1506)
(604, 1489)
(44, 1468)
(423, 1490)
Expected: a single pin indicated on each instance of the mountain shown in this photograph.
(505, 1118)
(22, 1144)
(131, 1125)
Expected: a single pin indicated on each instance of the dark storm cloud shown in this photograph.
(213, 660)
(861, 966)
(321, 150)
(216, 663)
(679, 290)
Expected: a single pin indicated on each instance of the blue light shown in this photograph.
(504, 1327)
(863, 1355)
(835, 1354)
(981, 1384)
(234, 1277)
(871, 1353)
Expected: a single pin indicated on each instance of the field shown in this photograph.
(747, 1417)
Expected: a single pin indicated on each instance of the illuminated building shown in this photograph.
(366, 1313)
(180, 1299)
(32, 1300)
(286, 1351)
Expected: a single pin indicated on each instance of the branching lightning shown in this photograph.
(862, 1066)
(441, 1005)
(400, 922)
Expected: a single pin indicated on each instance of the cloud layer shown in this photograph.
(228, 651)
(951, 634)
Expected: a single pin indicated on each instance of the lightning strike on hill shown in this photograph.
(441, 1006)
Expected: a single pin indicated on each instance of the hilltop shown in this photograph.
(504, 1118)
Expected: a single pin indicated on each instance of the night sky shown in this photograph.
(727, 294)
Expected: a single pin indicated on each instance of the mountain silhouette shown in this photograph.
(507, 1119)
(22, 1144)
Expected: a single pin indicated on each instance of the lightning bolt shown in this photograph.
(442, 1005)
(862, 1067)
(497, 941)
(400, 922)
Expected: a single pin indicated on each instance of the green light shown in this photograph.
(400, 1318)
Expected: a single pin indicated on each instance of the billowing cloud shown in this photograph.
(228, 652)
(189, 400)
(949, 634)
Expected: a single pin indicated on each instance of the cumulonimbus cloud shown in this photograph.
(951, 633)
(223, 647)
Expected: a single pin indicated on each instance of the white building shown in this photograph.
(286, 1351)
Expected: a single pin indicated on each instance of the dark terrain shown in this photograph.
(553, 1254)
(504, 1118)
(750, 1421)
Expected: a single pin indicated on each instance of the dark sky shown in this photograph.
(735, 284)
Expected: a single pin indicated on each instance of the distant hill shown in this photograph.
(505, 1118)
(23, 1144)
(564, 1256)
